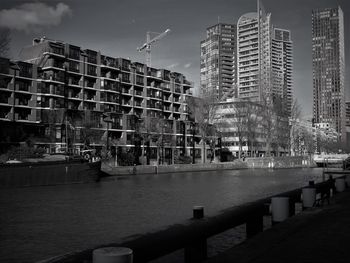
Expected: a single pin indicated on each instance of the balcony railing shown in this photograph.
(138, 92)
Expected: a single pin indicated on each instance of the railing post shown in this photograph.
(292, 206)
(309, 197)
(196, 252)
(255, 224)
(112, 255)
(340, 185)
(347, 180)
(280, 209)
(198, 212)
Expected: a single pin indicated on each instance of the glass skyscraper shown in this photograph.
(328, 61)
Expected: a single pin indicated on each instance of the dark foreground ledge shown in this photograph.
(316, 235)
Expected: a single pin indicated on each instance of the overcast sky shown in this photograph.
(118, 27)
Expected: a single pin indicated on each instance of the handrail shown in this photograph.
(154, 245)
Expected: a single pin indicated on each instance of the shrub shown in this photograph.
(183, 160)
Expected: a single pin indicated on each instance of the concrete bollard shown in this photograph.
(347, 180)
(112, 255)
(280, 209)
(198, 212)
(340, 185)
(309, 197)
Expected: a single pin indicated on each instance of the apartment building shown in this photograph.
(63, 89)
(328, 63)
(254, 55)
(248, 128)
(218, 61)
(282, 67)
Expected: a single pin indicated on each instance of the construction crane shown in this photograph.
(149, 42)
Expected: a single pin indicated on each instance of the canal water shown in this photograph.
(41, 222)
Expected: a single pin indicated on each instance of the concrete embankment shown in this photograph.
(267, 162)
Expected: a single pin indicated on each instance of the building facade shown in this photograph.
(254, 55)
(68, 97)
(218, 61)
(328, 61)
(282, 67)
(249, 128)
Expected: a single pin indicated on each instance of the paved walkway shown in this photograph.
(316, 235)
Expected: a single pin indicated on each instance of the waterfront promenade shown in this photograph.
(316, 235)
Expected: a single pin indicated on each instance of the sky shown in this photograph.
(118, 27)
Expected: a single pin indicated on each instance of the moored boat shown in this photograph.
(322, 160)
(49, 171)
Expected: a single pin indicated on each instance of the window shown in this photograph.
(58, 133)
(91, 70)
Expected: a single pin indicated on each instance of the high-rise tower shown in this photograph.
(282, 67)
(218, 61)
(328, 62)
(254, 54)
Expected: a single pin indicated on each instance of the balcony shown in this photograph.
(126, 79)
(116, 126)
(127, 103)
(5, 99)
(57, 50)
(108, 61)
(90, 84)
(138, 92)
(138, 103)
(139, 82)
(22, 102)
(92, 72)
(23, 87)
(126, 91)
(90, 97)
(21, 116)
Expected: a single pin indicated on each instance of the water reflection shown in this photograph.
(40, 222)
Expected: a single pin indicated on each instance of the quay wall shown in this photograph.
(53, 173)
(260, 162)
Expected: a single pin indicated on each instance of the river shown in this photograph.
(41, 222)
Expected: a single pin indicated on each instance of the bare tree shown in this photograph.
(267, 122)
(153, 129)
(204, 112)
(307, 141)
(280, 132)
(295, 127)
(5, 39)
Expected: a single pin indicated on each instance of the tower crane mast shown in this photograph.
(147, 46)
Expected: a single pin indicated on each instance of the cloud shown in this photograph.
(171, 66)
(33, 16)
(187, 65)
